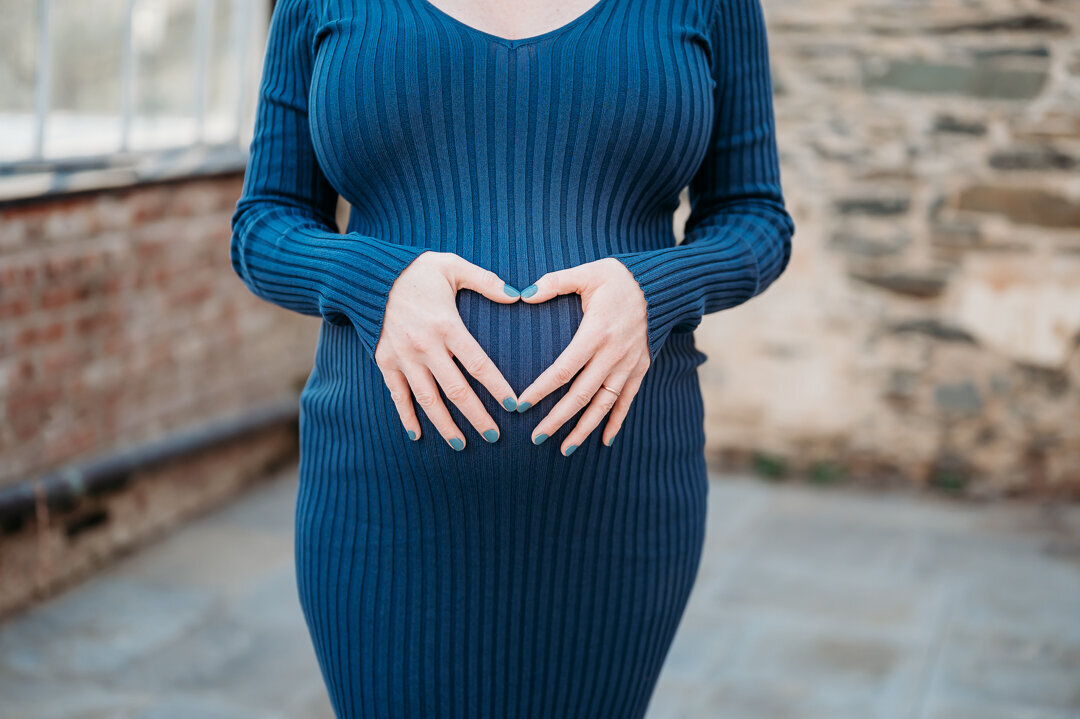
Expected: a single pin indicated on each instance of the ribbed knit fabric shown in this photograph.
(505, 580)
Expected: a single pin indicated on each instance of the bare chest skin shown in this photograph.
(515, 19)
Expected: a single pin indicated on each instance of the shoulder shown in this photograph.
(733, 10)
(292, 10)
(298, 15)
(734, 18)
(292, 26)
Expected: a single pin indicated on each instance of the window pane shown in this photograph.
(163, 32)
(225, 66)
(18, 38)
(188, 76)
(18, 59)
(84, 100)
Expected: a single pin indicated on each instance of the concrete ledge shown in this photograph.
(34, 182)
(140, 494)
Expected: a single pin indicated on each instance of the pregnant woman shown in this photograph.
(502, 493)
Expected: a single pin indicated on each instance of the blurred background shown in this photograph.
(893, 427)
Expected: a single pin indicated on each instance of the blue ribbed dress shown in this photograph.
(505, 580)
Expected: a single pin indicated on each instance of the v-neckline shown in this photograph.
(515, 42)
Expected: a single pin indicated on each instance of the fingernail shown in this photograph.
(529, 291)
(569, 450)
(491, 434)
(510, 404)
(540, 438)
(611, 441)
(509, 289)
(457, 443)
(412, 435)
(524, 406)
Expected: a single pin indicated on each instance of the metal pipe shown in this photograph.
(203, 26)
(241, 28)
(127, 79)
(43, 81)
(63, 488)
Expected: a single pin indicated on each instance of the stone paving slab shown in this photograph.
(809, 602)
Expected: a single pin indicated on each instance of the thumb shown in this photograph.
(557, 282)
(466, 275)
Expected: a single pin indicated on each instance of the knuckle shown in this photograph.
(445, 259)
(476, 364)
(456, 392)
(415, 339)
(563, 374)
(434, 345)
(581, 399)
(443, 327)
(385, 356)
(425, 399)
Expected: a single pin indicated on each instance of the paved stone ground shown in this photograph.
(809, 603)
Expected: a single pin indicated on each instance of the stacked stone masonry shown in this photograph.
(927, 328)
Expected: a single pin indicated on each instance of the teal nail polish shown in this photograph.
(570, 450)
(491, 434)
(457, 443)
(524, 406)
(529, 291)
(412, 435)
(510, 404)
(508, 289)
(611, 441)
(540, 438)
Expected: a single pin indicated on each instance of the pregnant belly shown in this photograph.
(346, 396)
(522, 339)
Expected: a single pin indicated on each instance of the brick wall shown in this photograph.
(121, 320)
(121, 323)
(927, 328)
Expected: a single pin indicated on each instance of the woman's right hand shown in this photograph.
(422, 332)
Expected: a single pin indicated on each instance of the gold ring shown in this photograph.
(610, 390)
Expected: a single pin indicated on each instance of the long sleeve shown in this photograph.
(285, 246)
(737, 239)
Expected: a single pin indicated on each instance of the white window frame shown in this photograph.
(36, 175)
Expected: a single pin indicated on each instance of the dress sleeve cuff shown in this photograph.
(681, 282)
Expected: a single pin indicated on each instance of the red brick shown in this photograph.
(37, 335)
(57, 297)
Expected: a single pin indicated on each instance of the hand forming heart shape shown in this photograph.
(422, 332)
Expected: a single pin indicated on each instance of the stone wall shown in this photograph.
(927, 327)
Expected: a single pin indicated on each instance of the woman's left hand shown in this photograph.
(611, 343)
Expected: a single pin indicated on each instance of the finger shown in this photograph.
(622, 406)
(465, 275)
(602, 403)
(426, 393)
(477, 363)
(577, 397)
(557, 282)
(458, 391)
(402, 397)
(582, 346)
